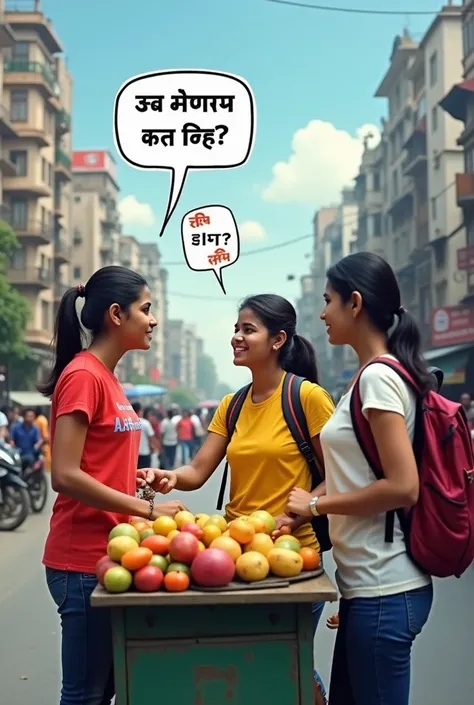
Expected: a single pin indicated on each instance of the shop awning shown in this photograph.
(452, 360)
(455, 102)
(29, 399)
(144, 390)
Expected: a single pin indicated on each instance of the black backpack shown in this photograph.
(296, 420)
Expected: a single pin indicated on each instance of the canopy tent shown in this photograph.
(29, 399)
(144, 390)
(208, 404)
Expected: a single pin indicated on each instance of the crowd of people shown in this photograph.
(103, 448)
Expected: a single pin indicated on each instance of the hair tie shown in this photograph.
(81, 289)
(401, 310)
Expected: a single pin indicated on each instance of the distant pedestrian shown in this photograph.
(169, 439)
(148, 442)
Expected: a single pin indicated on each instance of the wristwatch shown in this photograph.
(313, 506)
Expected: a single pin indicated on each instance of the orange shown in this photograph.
(242, 530)
(182, 518)
(228, 545)
(176, 582)
(218, 520)
(252, 566)
(210, 532)
(136, 558)
(258, 524)
(311, 558)
(173, 533)
(164, 525)
(141, 525)
(261, 543)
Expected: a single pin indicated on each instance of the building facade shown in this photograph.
(182, 348)
(36, 167)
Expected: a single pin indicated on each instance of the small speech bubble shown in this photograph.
(182, 120)
(211, 240)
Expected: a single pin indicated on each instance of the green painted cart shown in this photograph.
(242, 647)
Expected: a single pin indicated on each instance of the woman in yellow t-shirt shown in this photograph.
(266, 463)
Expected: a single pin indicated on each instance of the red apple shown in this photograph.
(213, 568)
(193, 529)
(184, 547)
(148, 579)
(102, 566)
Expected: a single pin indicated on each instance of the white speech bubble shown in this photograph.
(182, 120)
(211, 240)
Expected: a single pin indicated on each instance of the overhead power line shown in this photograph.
(354, 10)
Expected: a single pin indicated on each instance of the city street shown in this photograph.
(29, 664)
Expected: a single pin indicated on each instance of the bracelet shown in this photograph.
(152, 508)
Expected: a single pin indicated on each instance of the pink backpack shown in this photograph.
(439, 529)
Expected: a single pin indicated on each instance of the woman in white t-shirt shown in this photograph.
(385, 599)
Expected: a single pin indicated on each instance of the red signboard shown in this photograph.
(99, 160)
(466, 257)
(452, 325)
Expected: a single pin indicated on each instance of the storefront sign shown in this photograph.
(452, 325)
(466, 257)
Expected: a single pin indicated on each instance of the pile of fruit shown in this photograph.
(170, 553)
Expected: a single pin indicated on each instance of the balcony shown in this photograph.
(465, 190)
(29, 132)
(62, 165)
(62, 249)
(5, 214)
(7, 167)
(63, 122)
(30, 73)
(422, 234)
(60, 289)
(110, 218)
(33, 232)
(26, 186)
(23, 15)
(39, 337)
(7, 37)
(416, 160)
(7, 128)
(106, 244)
(30, 277)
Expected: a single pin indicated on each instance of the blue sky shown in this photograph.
(302, 65)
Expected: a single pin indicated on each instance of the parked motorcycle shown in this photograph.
(35, 478)
(14, 497)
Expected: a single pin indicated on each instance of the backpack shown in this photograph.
(438, 529)
(294, 416)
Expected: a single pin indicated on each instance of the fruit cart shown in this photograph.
(227, 647)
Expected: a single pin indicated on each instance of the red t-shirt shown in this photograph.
(78, 533)
(185, 430)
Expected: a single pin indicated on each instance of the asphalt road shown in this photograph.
(443, 671)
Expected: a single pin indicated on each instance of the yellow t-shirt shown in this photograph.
(266, 463)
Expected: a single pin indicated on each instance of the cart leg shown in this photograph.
(120, 656)
(305, 649)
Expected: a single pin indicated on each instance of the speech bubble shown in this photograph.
(181, 120)
(210, 239)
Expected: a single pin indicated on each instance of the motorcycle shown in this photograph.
(34, 476)
(14, 497)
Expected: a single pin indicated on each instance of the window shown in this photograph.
(376, 182)
(434, 118)
(377, 224)
(19, 214)
(77, 273)
(21, 51)
(433, 68)
(469, 160)
(77, 199)
(20, 159)
(433, 208)
(50, 175)
(44, 166)
(395, 185)
(19, 105)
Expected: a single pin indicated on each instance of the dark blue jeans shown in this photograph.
(372, 655)
(86, 648)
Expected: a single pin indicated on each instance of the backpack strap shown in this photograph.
(295, 418)
(366, 440)
(233, 411)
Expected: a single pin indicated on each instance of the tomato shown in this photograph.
(136, 558)
(311, 558)
(157, 544)
(176, 582)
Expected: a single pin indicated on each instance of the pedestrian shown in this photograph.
(148, 442)
(43, 425)
(169, 439)
(185, 429)
(26, 437)
(265, 460)
(95, 437)
(385, 598)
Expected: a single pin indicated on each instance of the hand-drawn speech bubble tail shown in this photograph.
(218, 273)
(177, 179)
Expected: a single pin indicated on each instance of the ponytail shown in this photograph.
(67, 339)
(301, 359)
(404, 343)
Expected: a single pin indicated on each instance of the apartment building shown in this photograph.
(151, 270)
(95, 218)
(421, 221)
(36, 159)
(182, 349)
(369, 198)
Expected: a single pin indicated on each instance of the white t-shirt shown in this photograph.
(147, 433)
(169, 431)
(367, 566)
(3, 420)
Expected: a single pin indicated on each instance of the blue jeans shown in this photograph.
(187, 451)
(372, 655)
(86, 649)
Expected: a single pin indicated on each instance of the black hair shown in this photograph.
(137, 407)
(108, 286)
(277, 314)
(374, 279)
(29, 410)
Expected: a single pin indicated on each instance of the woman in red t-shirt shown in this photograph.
(95, 436)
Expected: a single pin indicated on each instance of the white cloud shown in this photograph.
(132, 212)
(252, 230)
(323, 161)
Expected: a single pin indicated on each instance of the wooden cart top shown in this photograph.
(319, 589)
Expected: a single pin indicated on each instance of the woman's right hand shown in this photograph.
(169, 509)
(164, 482)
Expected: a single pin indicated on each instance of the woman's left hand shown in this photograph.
(298, 502)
